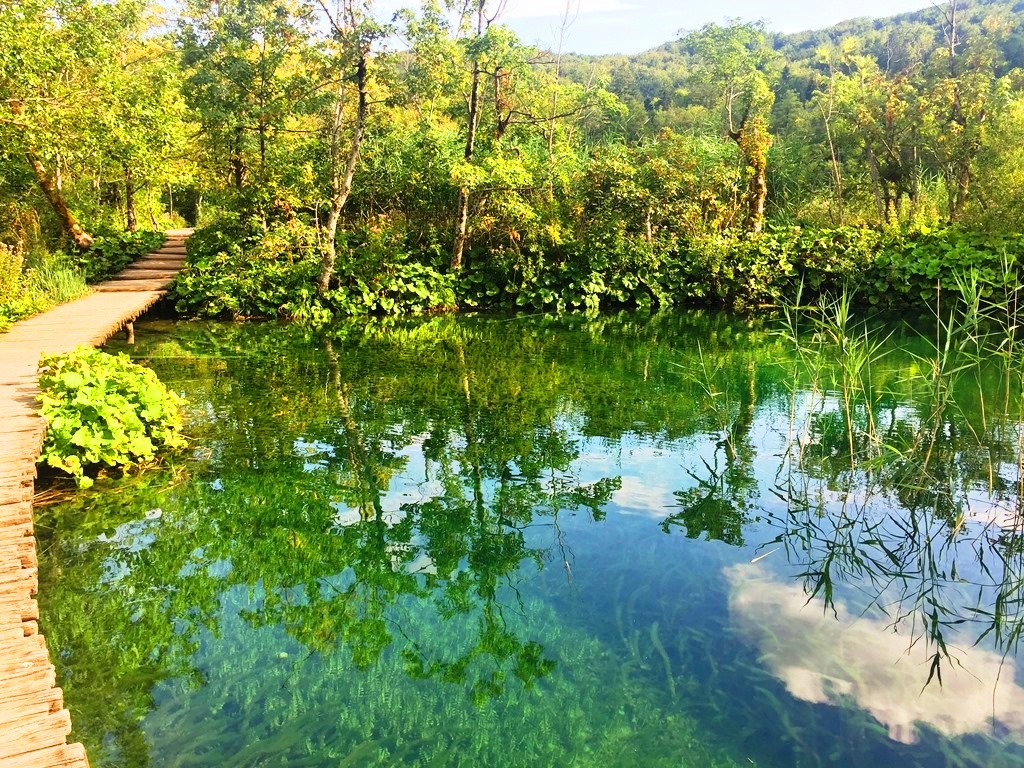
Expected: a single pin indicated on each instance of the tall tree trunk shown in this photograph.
(130, 219)
(462, 212)
(341, 186)
(82, 239)
(834, 166)
(881, 204)
(758, 193)
(914, 192)
(237, 161)
(963, 189)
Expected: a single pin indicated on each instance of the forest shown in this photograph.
(339, 160)
(592, 533)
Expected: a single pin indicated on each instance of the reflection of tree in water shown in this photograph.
(898, 475)
(904, 487)
(457, 547)
(311, 530)
(403, 472)
(724, 499)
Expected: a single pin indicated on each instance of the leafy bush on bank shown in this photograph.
(114, 250)
(233, 273)
(743, 271)
(104, 410)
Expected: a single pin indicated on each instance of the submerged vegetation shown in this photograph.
(402, 536)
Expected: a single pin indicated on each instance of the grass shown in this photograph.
(47, 280)
(929, 459)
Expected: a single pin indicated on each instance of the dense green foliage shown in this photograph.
(31, 285)
(236, 273)
(342, 175)
(111, 252)
(104, 410)
(270, 274)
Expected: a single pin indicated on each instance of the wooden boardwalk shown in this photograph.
(33, 721)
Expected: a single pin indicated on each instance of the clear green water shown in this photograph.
(548, 542)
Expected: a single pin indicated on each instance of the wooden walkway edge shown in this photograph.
(33, 721)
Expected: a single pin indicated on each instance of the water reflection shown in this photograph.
(836, 655)
(435, 520)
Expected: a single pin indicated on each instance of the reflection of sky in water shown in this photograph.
(855, 658)
(862, 657)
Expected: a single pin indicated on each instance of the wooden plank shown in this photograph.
(14, 494)
(33, 721)
(137, 285)
(145, 274)
(166, 263)
(50, 730)
(59, 756)
(16, 513)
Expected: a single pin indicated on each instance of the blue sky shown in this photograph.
(631, 26)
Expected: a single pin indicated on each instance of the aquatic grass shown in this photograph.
(911, 463)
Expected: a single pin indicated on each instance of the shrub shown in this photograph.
(11, 259)
(112, 251)
(104, 410)
(236, 271)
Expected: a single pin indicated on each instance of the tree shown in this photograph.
(736, 65)
(825, 102)
(142, 133)
(354, 32)
(476, 48)
(962, 86)
(242, 78)
(56, 57)
(882, 112)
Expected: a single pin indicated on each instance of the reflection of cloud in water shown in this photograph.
(824, 660)
(345, 516)
(642, 496)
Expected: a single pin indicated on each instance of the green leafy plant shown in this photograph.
(104, 410)
(113, 251)
(237, 273)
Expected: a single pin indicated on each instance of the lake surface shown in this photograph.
(680, 540)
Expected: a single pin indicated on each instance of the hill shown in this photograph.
(656, 83)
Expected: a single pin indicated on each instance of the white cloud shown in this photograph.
(826, 660)
(641, 496)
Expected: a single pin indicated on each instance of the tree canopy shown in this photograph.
(432, 147)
